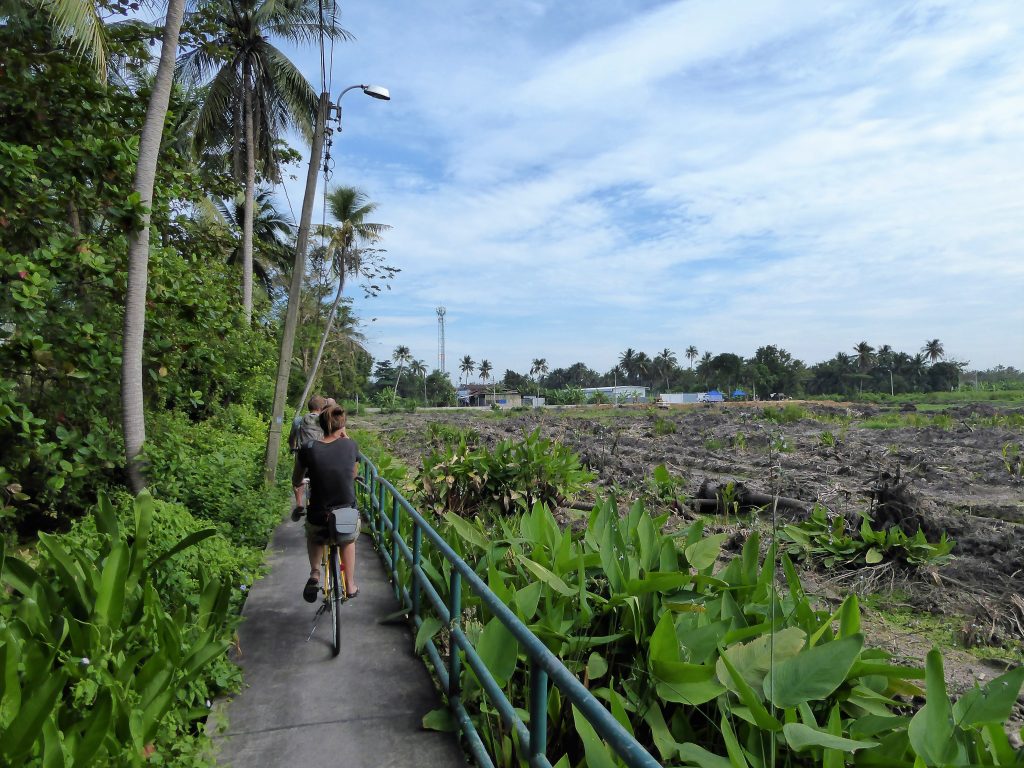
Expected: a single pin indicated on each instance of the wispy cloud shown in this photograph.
(572, 179)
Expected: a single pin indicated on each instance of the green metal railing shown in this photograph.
(386, 510)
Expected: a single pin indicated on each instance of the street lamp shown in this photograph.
(892, 392)
(373, 91)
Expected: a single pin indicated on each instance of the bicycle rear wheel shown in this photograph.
(336, 596)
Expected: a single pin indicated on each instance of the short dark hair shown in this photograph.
(317, 403)
(332, 419)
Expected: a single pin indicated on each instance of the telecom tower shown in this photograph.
(440, 340)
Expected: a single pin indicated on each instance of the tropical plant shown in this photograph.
(419, 368)
(467, 365)
(865, 355)
(933, 350)
(485, 371)
(96, 667)
(665, 363)
(538, 368)
(255, 93)
(692, 353)
(402, 356)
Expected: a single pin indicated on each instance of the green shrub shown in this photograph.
(787, 414)
(663, 426)
(96, 669)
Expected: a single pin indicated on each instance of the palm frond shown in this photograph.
(80, 21)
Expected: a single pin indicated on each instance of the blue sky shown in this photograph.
(574, 178)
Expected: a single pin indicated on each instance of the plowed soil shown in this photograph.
(950, 478)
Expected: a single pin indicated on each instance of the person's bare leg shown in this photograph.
(348, 557)
(316, 556)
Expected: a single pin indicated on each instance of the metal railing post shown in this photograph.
(395, 533)
(417, 556)
(538, 711)
(454, 664)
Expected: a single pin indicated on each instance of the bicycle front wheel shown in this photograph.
(337, 595)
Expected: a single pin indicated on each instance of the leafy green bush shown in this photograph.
(96, 669)
(663, 426)
(474, 481)
(706, 668)
(787, 414)
(826, 537)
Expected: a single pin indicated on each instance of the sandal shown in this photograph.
(350, 595)
(309, 592)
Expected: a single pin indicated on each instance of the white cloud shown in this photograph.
(572, 180)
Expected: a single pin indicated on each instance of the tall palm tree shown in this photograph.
(467, 366)
(349, 207)
(80, 21)
(538, 368)
(642, 365)
(402, 356)
(865, 355)
(255, 92)
(627, 363)
(132, 415)
(933, 350)
(665, 363)
(485, 371)
(419, 368)
(692, 354)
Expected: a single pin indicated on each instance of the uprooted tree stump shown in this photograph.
(893, 504)
(720, 497)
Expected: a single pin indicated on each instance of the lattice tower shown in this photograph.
(440, 339)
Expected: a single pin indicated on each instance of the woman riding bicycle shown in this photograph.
(332, 466)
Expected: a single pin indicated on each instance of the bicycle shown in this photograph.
(334, 590)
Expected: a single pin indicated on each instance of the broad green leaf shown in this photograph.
(440, 719)
(192, 539)
(430, 627)
(498, 649)
(812, 674)
(110, 597)
(27, 726)
(663, 739)
(94, 729)
(732, 745)
(10, 693)
(597, 753)
(684, 683)
(753, 660)
(849, 617)
(526, 600)
(469, 532)
(699, 756)
(547, 577)
(663, 644)
(703, 554)
(991, 703)
(873, 556)
(618, 710)
(931, 730)
(800, 737)
(762, 718)
(597, 667)
(53, 750)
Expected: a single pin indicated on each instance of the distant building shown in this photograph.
(481, 395)
(620, 394)
(677, 398)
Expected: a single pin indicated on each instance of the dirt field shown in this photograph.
(945, 474)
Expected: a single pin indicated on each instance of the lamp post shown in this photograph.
(299, 269)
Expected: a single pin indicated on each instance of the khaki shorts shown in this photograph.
(320, 534)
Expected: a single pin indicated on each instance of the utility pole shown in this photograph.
(440, 339)
(284, 363)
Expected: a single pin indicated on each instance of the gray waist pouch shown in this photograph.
(345, 521)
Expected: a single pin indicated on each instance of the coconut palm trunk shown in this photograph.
(250, 195)
(132, 412)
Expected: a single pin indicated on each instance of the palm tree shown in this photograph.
(691, 354)
(933, 350)
(627, 363)
(665, 362)
(538, 369)
(274, 230)
(419, 368)
(255, 92)
(80, 21)
(350, 207)
(865, 355)
(485, 371)
(133, 418)
(467, 366)
(641, 365)
(402, 356)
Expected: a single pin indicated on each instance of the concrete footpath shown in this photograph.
(300, 706)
